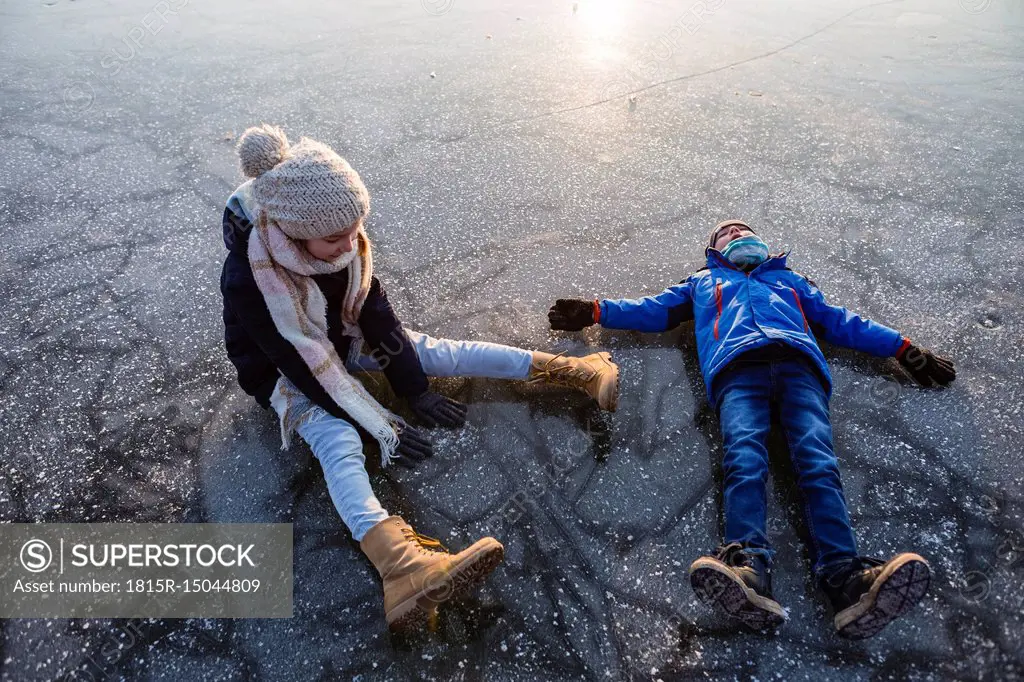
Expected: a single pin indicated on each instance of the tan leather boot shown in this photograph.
(419, 573)
(596, 375)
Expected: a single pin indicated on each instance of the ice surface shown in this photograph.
(517, 153)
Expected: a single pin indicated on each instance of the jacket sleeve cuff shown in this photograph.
(903, 348)
(410, 387)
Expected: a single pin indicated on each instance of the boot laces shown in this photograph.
(425, 542)
(857, 568)
(870, 565)
(568, 374)
(732, 555)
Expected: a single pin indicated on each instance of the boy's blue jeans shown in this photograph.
(744, 393)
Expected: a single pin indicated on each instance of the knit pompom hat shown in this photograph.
(307, 189)
(723, 225)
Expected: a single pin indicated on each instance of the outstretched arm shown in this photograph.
(844, 328)
(389, 344)
(251, 309)
(394, 351)
(649, 314)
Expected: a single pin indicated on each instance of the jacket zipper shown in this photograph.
(718, 304)
(800, 307)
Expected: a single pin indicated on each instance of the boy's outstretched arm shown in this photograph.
(845, 328)
(649, 314)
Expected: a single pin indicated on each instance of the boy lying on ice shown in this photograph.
(758, 353)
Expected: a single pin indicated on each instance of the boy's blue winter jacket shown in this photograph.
(735, 312)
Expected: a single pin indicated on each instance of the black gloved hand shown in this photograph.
(925, 367)
(413, 446)
(571, 314)
(433, 409)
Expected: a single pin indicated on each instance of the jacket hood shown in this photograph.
(239, 215)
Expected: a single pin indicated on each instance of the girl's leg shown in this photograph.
(417, 574)
(337, 445)
(447, 358)
(596, 375)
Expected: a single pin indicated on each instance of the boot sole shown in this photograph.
(718, 587)
(416, 612)
(897, 590)
(614, 402)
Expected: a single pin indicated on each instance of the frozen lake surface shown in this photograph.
(516, 153)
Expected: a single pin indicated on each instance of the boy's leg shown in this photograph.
(866, 594)
(744, 414)
(337, 445)
(737, 579)
(804, 416)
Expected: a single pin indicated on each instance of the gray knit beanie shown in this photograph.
(307, 189)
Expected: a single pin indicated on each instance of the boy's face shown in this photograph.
(728, 233)
(331, 247)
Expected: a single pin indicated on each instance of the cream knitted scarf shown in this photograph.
(283, 270)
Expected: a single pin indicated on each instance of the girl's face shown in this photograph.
(331, 247)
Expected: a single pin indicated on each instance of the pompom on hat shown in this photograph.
(306, 188)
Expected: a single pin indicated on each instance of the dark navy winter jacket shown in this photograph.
(735, 312)
(261, 354)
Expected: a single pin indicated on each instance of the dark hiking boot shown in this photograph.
(739, 584)
(874, 593)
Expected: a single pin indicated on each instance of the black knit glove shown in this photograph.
(413, 446)
(571, 314)
(925, 367)
(433, 409)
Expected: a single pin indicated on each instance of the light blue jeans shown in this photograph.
(337, 445)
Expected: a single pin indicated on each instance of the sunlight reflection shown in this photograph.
(602, 23)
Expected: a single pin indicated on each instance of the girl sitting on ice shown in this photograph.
(300, 300)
